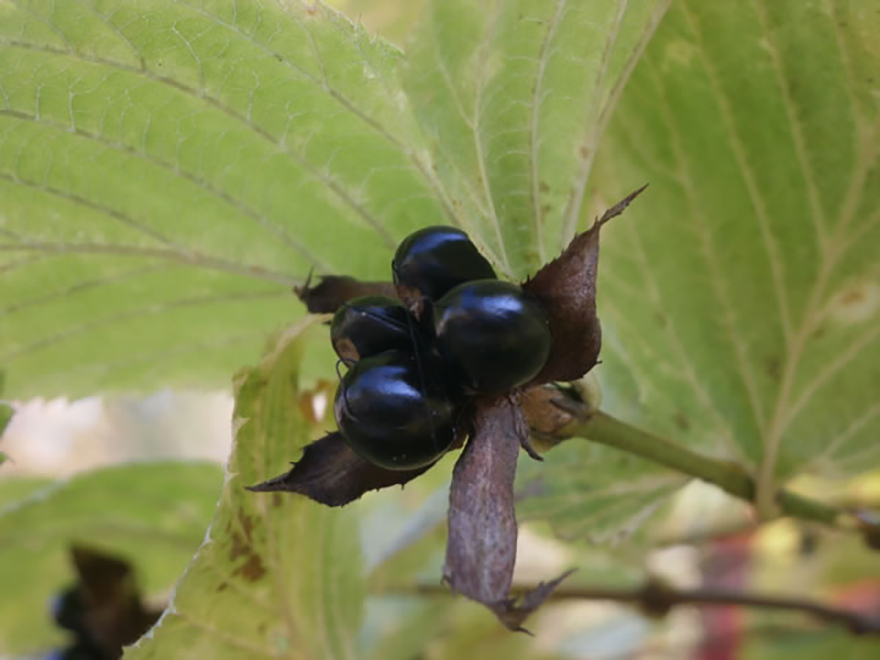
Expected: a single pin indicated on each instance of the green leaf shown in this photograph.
(515, 95)
(400, 628)
(6, 412)
(276, 575)
(13, 489)
(588, 491)
(808, 645)
(169, 170)
(152, 514)
(393, 19)
(168, 165)
(741, 300)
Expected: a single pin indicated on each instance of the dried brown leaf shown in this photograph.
(331, 473)
(515, 611)
(333, 290)
(481, 548)
(567, 288)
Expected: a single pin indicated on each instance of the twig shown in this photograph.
(657, 599)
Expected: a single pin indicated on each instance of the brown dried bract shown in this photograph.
(548, 422)
(516, 610)
(481, 548)
(331, 473)
(567, 288)
(333, 290)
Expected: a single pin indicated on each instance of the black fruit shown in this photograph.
(394, 410)
(436, 259)
(79, 651)
(68, 610)
(370, 325)
(497, 334)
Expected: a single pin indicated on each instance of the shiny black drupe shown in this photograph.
(496, 334)
(79, 651)
(395, 409)
(68, 610)
(367, 326)
(436, 259)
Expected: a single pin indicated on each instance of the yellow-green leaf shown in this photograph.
(152, 514)
(741, 297)
(277, 575)
(169, 170)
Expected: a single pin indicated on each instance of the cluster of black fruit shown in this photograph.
(103, 610)
(410, 375)
(69, 612)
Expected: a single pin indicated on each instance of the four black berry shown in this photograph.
(395, 410)
(497, 334)
(397, 405)
(435, 259)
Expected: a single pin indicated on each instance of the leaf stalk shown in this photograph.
(605, 429)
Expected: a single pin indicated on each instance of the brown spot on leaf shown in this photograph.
(223, 586)
(773, 365)
(857, 302)
(240, 547)
(681, 421)
(853, 297)
(253, 569)
(543, 187)
(277, 500)
(312, 403)
(247, 524)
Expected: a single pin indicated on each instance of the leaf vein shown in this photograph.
(260, 219)
(329, 182)
(150, 310)
(189, 258)
(538, 95)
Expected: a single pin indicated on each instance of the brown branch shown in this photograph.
(656, 599)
